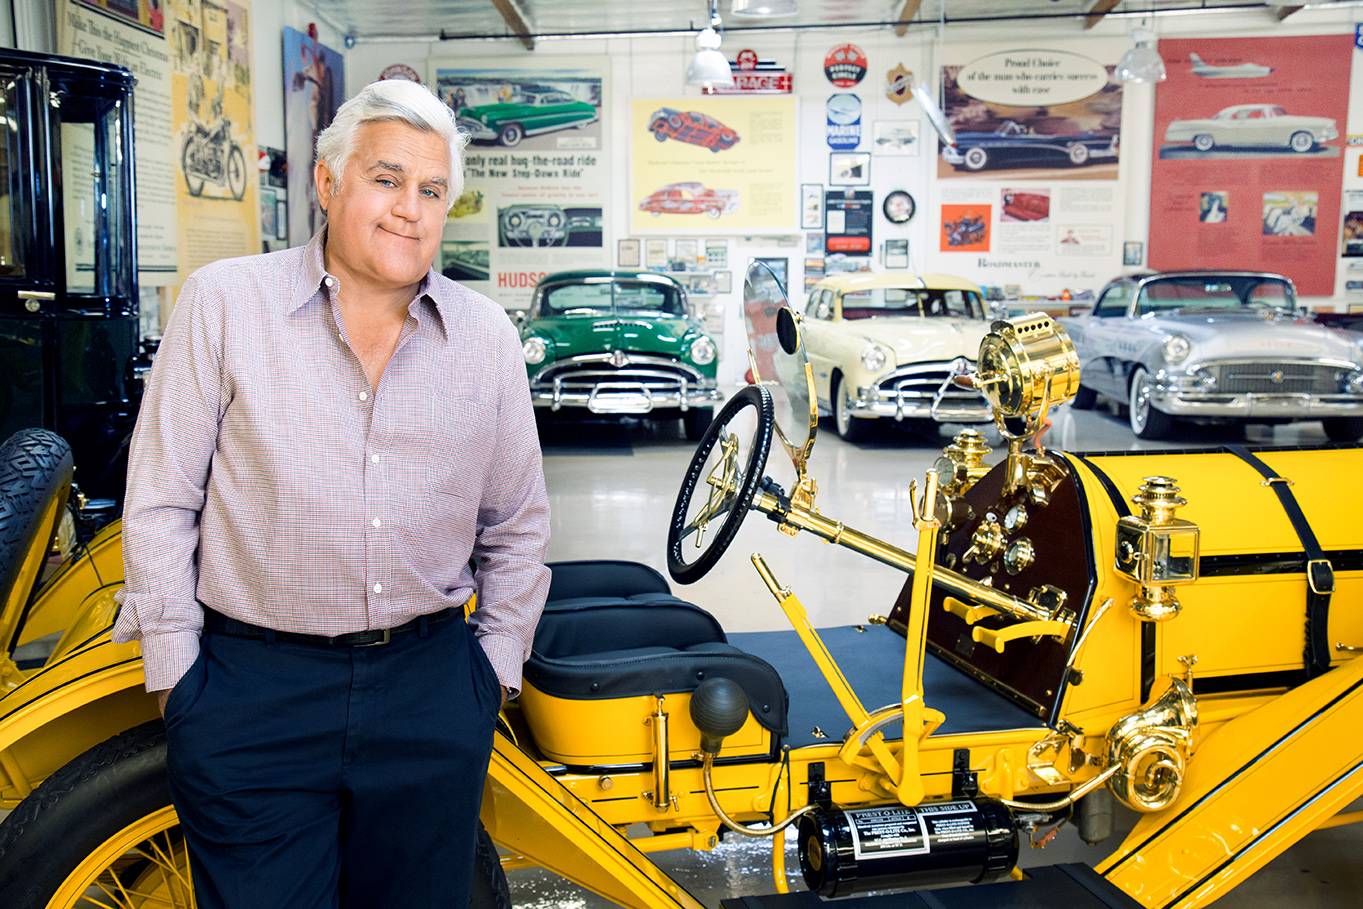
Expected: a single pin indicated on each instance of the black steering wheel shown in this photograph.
(732, 487)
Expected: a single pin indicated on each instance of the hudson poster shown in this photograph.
(1249, 156)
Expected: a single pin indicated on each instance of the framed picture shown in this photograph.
(895, 137)
(655, 254)
(724, 282)
(813, 243)
(849, 169)
(811, 206)
(716, 253)
(898, 207)
(627, 253)
(897, 253)
(1133, 252)
(687, 251)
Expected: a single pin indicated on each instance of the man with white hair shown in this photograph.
(331, 435)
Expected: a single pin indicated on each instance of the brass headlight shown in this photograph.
(1026, 363)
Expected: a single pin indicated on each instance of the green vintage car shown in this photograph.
(619, 342)
(537, 110)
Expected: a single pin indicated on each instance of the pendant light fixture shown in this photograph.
(708, 67)
(1141, 63)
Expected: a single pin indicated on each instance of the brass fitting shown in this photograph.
(1157, 550)
(987, 542)
(967, 451)
(1149, 750)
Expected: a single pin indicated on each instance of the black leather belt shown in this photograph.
(218, 623)
(1320, 574)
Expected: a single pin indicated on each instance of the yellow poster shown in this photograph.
(713, 165)
(212, 134)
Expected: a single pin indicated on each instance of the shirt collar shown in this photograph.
(314, 273)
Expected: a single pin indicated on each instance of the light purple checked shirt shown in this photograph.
(270, 482)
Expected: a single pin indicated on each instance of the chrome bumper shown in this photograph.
(951, 156)
(901, 409)
(924, 391)
(1294, 406)
(626, 397)
(475, 129)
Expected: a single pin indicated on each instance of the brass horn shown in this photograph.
(1150, 750)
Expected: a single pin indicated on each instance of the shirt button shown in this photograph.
(378, 588)
(374, 459)
(364, 396)
(329, 281)
(376, 522)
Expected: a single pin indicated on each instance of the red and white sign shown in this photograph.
(753, 75)
(845, 65)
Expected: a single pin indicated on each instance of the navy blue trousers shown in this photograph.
(326, 777)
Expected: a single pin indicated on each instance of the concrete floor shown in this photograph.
(612, 487)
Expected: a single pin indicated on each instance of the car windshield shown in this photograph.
(1215, 292)
(612, 298)
(898, 302)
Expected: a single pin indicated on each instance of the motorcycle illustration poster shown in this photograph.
(131, 34)
(536, 176)
(314, 87)
(211, 122)
(1249, 155)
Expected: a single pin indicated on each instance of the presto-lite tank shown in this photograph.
(961, 841)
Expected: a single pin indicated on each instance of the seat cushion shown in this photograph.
(602, 578)
(596, 648)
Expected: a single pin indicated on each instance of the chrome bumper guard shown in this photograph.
(924, 391)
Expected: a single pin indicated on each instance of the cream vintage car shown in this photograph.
(1265, 126)
(889, 345)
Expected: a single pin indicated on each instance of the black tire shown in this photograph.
(193, 183)
(1084, 398)
(1343, 429)
(108, 788)
(1147, 422)
(696, 420)
(848, 427)
(35, 482)
(236, 172)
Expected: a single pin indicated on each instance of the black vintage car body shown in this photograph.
(69, 351)
(1015, 145)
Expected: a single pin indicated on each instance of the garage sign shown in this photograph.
(755, 76)
(845, 65)
(843, 113)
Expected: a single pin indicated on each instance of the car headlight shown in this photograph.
(873, 357)
(514, 219)
(1176, 349)
(535, 350)
(1355, 383)
(703, 351)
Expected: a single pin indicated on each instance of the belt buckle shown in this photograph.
(387, 636)
(1326, 586)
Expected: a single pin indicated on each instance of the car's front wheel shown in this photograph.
(850, 428)
(976, 159)
(1079, 154)
(1203, 142)
(104, 826)
(1343, 429)
(1301, 141)
(511, 135)
(1147, 422)
(1085, 398)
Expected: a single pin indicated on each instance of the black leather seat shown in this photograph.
(639, 640)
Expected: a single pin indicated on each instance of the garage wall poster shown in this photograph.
(713, 165)
(131, 34)
(314, 87)
(535, 177)
(1248, 158)
(212, 131)
(1027, 198)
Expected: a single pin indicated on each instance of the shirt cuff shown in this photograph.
(167, 656)
(504, 652)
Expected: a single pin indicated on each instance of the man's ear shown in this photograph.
(326, 183)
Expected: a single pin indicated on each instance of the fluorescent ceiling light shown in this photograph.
(1142, 63)
(763, 9)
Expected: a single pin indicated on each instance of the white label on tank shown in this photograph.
(893, 830)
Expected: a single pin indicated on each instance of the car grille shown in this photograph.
(1281, 378)
(921, 383)
(583, 377)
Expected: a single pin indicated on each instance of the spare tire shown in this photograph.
(35, 480)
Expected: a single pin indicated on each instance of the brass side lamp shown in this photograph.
(1157, 550)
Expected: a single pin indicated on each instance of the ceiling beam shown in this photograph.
(1098, 11)
(516, 21)
(906, 15)
(1283, 12)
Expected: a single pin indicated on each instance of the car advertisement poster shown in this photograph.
(535, 177)
(1249, 156)
(713, 165)
(848, 218)
(314, 87)
(1032, 114)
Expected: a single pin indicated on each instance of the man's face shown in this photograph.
(385, 219)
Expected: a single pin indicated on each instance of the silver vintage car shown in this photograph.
(1216, 345)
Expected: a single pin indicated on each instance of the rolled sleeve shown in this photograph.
(513, 527)
(168, 467)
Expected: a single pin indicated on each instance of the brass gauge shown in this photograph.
(1015, 519)
(1019, 556)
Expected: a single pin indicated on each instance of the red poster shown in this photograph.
(1249, 156)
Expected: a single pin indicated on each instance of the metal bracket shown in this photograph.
(965, 782)
(820, 791)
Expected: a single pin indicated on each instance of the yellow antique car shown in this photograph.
(886, 346)
(1173, 630)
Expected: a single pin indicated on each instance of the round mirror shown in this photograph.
(779, 362)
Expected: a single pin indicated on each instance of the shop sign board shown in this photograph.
(843, 115)
(845, 65)
(755, 76)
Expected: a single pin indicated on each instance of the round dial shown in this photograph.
(1015, 519)
(1019, 556)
